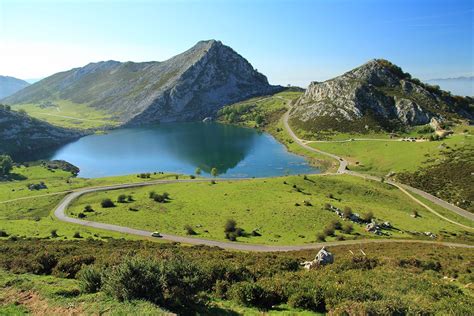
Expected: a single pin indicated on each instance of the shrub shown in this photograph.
(77, 235)
(336, 224)
(45, 263)
(106, 203)
(130, 198)
(329, 230)
(88, 209)
(3, 233)
(192, 176)
(122, 198)
(347, 228)
(68, 267)
(321, 237)
(347, 212)
(197, 171)
(81, 215)
(308, 299)
(214, 172)
(367, 217)
(152, 194)
(189, 230)
(90, 279)
(253, 294)
(230, 226)
(172, 282)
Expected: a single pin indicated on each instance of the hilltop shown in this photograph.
(10, 85)
(376, 95)
(190, 86)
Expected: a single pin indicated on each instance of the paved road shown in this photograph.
(342, 169)
(61, 208)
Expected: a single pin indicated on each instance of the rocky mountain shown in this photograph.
(20, 133)
(10, 85)
(190, 86)
(375, 95)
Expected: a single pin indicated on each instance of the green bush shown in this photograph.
(90, 279)
(68, 267)
(252, 294)
(45, 263)
(107, 203)
(309, 299)
(172, 282)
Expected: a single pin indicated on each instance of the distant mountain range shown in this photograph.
(463, 86)
(375, 95)
(190, 86)
(10, 85)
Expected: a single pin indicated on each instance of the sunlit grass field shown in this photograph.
(273, 207)
(71, 115)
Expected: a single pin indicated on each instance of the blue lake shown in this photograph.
(236, 152)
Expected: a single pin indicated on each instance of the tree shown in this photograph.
(347, 212)
(230, 226)
(107, 203)
(259, 119)
(347, 228)
(367, 217)
(197, 171)
(122, 198)
(6, 165)
(214, 172)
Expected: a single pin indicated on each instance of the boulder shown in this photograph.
(323, 257)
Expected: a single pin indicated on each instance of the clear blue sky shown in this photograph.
(289, 41)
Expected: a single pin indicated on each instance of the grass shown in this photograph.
(71, 115)
(30, 214)
(268, 206)
(380, 158)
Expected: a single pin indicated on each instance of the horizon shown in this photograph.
(294, 52)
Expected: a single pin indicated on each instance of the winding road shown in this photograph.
(60, 211)
(62, 207)
(342, 169)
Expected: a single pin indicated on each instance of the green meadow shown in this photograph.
(26, 213)
(380, 158)
(274, 207)
(71, 115)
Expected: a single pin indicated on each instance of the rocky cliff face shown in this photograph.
(376, 94)
(189, 86)
(21, 133)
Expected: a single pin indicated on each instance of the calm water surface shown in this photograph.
(182, 147)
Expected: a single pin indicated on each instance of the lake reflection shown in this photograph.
(182, 147)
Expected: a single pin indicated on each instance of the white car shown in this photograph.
(156, 234)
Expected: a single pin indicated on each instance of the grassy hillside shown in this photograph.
(379, 157)
(77, 277)
(274, 208)
(68, 114)
(26, 213)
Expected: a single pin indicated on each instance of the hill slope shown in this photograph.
(20, 133)
(189, 86)
(10, 85)
(375, 95)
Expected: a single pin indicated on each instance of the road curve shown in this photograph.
(342, 169)
(60, 210)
